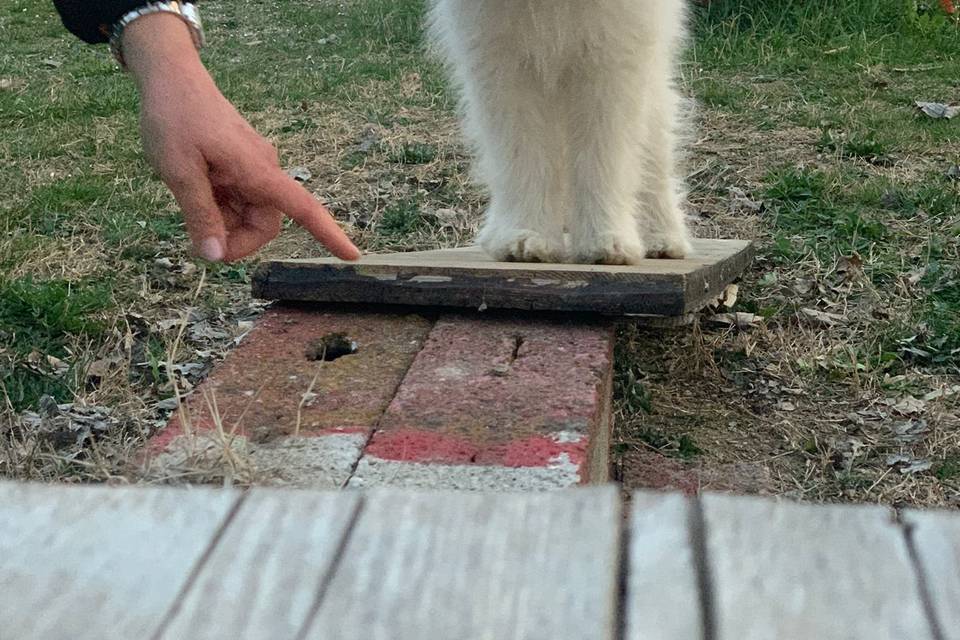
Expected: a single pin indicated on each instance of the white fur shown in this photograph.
(571, 107)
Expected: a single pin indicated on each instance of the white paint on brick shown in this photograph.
(372, 471)
(568, 437)
(316, 462)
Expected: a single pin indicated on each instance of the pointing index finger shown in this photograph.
(286, 194)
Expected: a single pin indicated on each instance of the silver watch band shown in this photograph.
(186, 11)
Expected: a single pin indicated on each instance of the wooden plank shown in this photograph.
(796, 572)
(471, 566)
(263, 578)
(468, 278)
(936, 539)
(98, 562)
(663, 601)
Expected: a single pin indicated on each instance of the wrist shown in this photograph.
(160, 45)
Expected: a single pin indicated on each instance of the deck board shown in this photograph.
(468, 278)
(936, 538)
(164, 563)
(662, 601)
(263, 579)
(98, 563)
(474, 566)
(796, 572)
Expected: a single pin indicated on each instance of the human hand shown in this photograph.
(224, 175)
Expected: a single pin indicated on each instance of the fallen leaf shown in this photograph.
(740, 201)
(915, 276)
(917, 466)
(905, 464)
(205, 331)
(850, 266)
(50, 62)
(938, 110)
(768, 279)
(369, 141)
(910, 431)
(740, 319)
(942, 393)
(822, 317)
(169, 404)
(953, 172)
(729, 296)
(908, 406)
(67, 424)
(101, 368)
(300, 174)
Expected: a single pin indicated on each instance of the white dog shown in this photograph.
(571, 107)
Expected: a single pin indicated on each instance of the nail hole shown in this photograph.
(331, 347)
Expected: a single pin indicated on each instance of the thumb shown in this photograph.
(201, 213)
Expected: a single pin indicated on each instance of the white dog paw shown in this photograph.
(521, 245)
(668, 245)
(609, 249)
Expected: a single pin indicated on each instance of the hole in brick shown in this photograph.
(517, 343)
(331, 347)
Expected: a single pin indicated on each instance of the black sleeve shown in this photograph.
(92, 20)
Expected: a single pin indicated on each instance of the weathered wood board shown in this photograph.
(469, 566)
(162, 563)
(663, 598)
(468, 278)
(797, 572)
(936, 539)
(99, 563)
(264, 577)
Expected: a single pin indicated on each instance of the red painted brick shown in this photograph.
(499, 392)
(482, 402)
(259, 386)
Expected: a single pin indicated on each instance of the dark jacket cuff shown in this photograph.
(93, 20)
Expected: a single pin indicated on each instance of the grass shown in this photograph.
(806, 110)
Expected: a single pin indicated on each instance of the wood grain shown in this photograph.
(662, 600)
(936, 538)
(468, 278)
(471, 566)
(263, 578)
(98, 563)
(797, 572)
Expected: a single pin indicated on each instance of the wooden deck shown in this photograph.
(144, 563)
(468, 278)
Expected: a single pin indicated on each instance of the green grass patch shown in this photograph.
(413, 153)
(45, 318)
(815, 209)
(403, 218)
(948, 469)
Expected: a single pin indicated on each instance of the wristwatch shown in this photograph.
(186, 11)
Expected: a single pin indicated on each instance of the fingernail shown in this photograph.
(211, 249)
